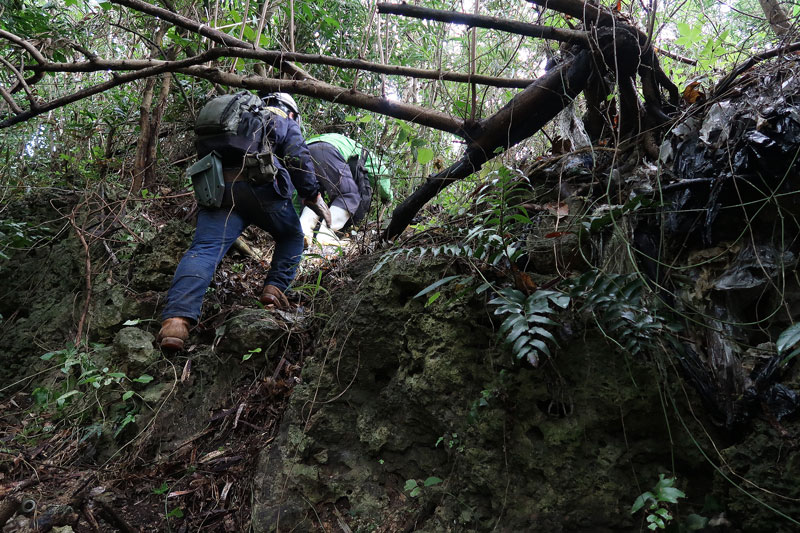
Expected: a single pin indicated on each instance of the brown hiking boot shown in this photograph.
(272, 296)
(173, 334)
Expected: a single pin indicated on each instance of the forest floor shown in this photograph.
(56, 458)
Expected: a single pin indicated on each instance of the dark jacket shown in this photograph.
(295, 168)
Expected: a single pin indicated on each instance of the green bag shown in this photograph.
(207, 179)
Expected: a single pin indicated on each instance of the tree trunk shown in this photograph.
(776, 15)
(149, 123)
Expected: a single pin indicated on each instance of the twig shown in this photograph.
(85, 245)
(87, 514)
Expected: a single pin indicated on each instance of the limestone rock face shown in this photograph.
(398, 391)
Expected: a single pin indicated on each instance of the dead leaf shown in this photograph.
(187, 370)
(179, 493)
(560, 209)
(693, 93)
(210, 456)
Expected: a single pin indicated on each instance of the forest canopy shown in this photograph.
(113, 80)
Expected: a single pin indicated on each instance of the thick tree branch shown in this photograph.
(523, 116)
(277, 58)
(332, 93)
(80, 95)
(481, 21)
(10, 101)
(583, 11)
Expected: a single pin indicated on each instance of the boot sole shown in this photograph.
(172, 344)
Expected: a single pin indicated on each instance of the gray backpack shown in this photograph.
(232, 133)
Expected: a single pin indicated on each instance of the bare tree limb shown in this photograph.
(726, 82)
(10, 101)
(583, 11)
(22, 82)
(80, 95)
(332, 93)
(676, 57)
(278, 58)
(481, 21)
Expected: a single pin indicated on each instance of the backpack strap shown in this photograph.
(277, 111)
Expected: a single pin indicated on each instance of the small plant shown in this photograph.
(528, 318)
(415, 488)
(250, 353)
(452, 442)
(83, 383)
(664, 492)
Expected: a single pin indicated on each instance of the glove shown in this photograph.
(317, 204)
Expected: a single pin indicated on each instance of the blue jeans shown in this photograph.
(215, 233)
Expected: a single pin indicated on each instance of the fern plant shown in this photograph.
(527, 319)
(621, 308)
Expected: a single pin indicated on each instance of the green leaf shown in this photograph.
(410, 484)
(435, 285)
(432, 298)
(520, 342)
(520, 327)
(132, 322)
(424, 155)
(788, 338)
(433, 480)
(162, 489)
(175, 513)
(63, 398)
(127, 396)
(670, 494)
(641, 501)
(541, 346)
(144, 378)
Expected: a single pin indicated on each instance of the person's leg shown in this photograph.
(216, 231)
(263, 207)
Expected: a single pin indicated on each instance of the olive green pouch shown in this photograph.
(207, 179)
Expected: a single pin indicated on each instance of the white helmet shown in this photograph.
(282, 98)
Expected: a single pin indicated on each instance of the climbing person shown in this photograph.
(251, 157)
(348, 174)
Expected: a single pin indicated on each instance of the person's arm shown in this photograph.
(292, 149)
